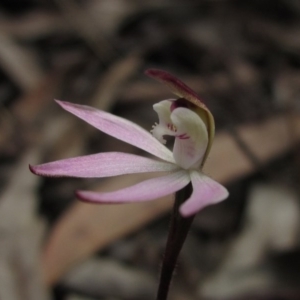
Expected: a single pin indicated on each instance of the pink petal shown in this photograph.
(119, 128)
(102, 165)
(206, 191)
(144, 191)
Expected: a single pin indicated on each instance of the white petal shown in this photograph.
(191, 138)
(206, 191)
(163, 110)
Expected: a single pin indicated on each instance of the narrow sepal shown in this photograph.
(102, 165)
(144, 191)
(119, 128)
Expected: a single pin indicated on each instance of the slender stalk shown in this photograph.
(179, 228)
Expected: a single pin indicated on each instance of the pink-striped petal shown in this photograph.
(144, 191)
(206, 191)
(119, 128)
(102, 165)
(191, 138)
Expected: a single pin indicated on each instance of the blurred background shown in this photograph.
(241, 56)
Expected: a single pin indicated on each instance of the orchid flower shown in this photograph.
(186, 119)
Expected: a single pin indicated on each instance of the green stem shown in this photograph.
(179, 229)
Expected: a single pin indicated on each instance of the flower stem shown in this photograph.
(179, 228)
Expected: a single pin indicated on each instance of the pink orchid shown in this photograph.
(186, 119)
